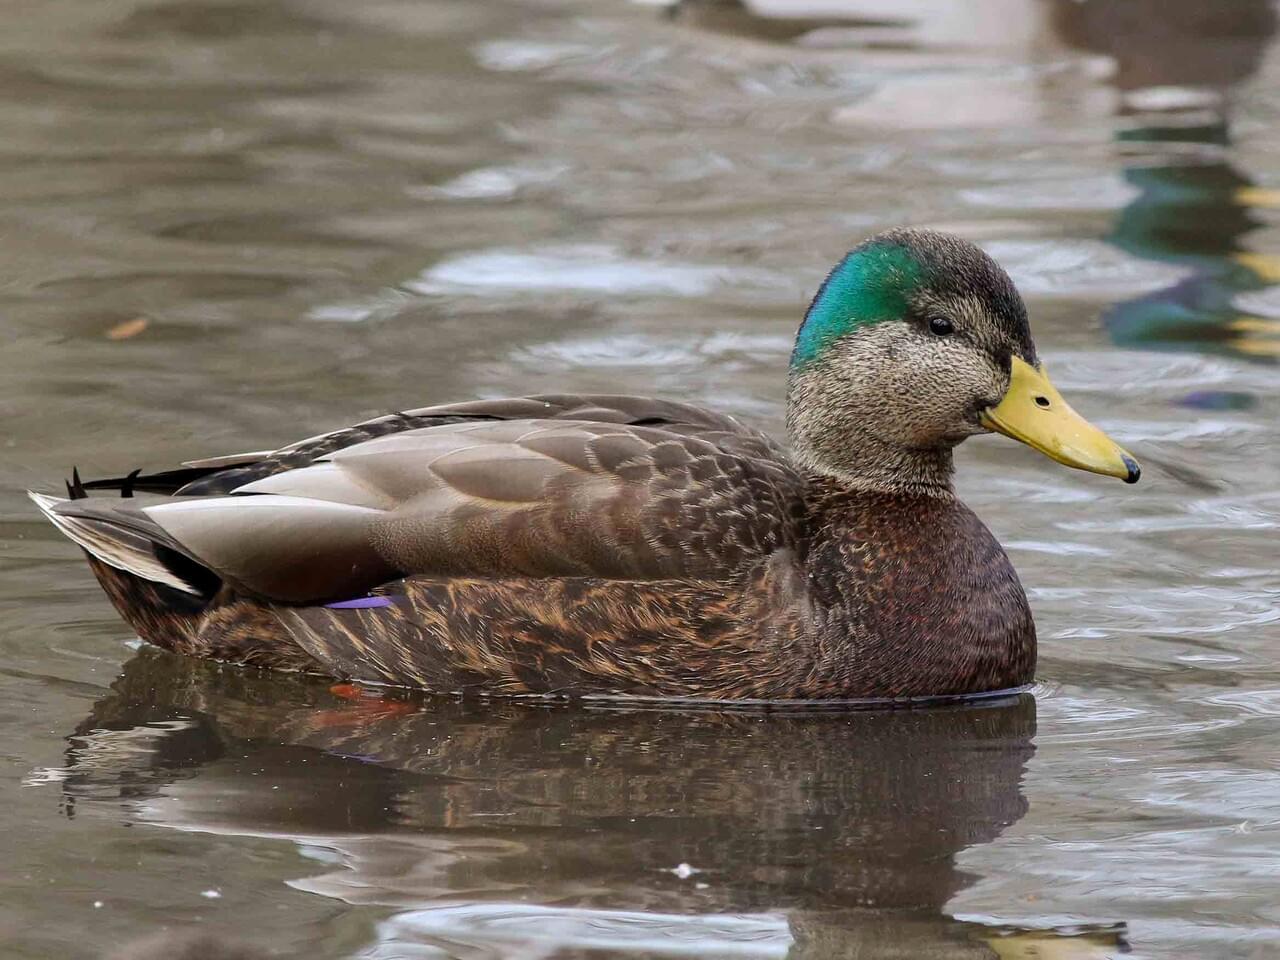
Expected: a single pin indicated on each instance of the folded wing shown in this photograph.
(625, 488)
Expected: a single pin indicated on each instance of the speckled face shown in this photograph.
(908, 340)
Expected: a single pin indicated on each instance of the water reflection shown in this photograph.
(1175, 66)
(1194, 215)
(645, 831)
(793, 22)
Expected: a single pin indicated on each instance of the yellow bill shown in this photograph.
(1034, 413)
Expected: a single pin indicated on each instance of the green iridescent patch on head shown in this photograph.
(872, 284)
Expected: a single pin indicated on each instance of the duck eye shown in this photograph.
(941, 326)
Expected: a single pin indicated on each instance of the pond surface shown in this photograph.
(227, 225)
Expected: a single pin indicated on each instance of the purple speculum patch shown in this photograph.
(359, 603)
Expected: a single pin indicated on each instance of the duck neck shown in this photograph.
(862, 463)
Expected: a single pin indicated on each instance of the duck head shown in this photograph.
(915, 341)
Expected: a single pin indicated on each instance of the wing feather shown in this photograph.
(622, 488)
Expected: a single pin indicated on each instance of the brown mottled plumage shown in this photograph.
(583, 545)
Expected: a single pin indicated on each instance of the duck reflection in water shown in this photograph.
(1176, 65)
(823, 835)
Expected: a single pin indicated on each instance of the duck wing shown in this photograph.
(223, 474)
(555, 486)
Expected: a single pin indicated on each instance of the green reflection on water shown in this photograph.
(1196, 216)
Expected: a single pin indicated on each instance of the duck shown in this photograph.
(574, 546)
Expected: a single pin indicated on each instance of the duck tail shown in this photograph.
(165, 482)
(120, 535)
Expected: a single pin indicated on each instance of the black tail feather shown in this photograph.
(167, 481)
(126, 486)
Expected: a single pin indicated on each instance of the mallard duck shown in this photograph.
(612, 545)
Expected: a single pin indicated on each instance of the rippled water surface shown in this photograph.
(226, 225)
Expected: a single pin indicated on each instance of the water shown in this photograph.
(226, 225)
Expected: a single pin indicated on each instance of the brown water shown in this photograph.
(226, 225)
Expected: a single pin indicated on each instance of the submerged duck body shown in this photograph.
(580, 545)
